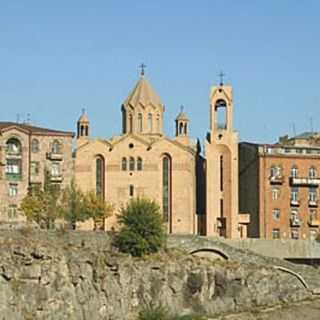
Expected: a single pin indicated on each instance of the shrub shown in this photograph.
(141, 228)
(154, 313)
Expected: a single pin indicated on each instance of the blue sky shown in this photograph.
(57, 57)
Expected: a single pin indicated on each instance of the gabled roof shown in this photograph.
(142, 94)
(5, 126)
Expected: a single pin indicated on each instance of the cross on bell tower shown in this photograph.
(221, 76)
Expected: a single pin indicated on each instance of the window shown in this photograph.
(55, 169)
(35, 145)
(275, 233)
(313, 214)
(131, 190)
(166, 187)
(13, 146)
(139, 164)
(221, 173)
(130, 123)
(275, 171)
(140, 122)
(100, 176)
(275, 193)
(294, 234)
(276, 214)
(13, 190)
(35, 168)
(56, 147)
(313, 234)
(150, 124)
(12, 211)
(312, 172)
(312, 194)
(294, 172)
(158, 123)
(131, 164)
(13, 166)
(124, 164)
(181, 128)
(294, 218)
(294, 195)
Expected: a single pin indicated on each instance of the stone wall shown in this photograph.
(79, 276)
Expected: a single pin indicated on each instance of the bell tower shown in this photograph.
(83, 127)
(221, 152)
(182, 127)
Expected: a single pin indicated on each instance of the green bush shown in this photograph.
(152, 312)
(141, 228)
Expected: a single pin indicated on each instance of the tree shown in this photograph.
(97, 209)
(32, 207)
(41, 205)
(72, 206)
(141, 228)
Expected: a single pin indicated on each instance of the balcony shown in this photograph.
(310, 182)
(13, 155)
(58, 178)
(294, 203)
(276, 179)
(314, 222)
(54, 156)
(14, 176)
(295, 222)
(313, 203)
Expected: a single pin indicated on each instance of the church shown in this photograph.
(197, 194)
(142, 161)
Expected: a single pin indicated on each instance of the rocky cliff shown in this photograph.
(76, 276)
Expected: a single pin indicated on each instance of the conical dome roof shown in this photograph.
(83, 117)
(182, 116)
(143, 94)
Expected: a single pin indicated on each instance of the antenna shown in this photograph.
(18, 117)
(28, 117)
(311, 124)
(294, 129)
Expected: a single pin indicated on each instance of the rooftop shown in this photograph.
(33, 129)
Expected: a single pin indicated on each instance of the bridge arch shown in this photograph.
(213, 251)
(295, 274)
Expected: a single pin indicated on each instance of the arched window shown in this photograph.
(140, 122)
(13, 146)
(181, 128)
(166, 187)
(312, 172)
(158, 123)
(221, 114)
(130, 123)
(294, 172)
(56, 147)
(131, 164)
(186, 129)
(100, 176)
(35, 145)
(124, 164)
(139, 164)
(150, 122)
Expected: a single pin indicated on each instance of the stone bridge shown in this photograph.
(245, 253)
